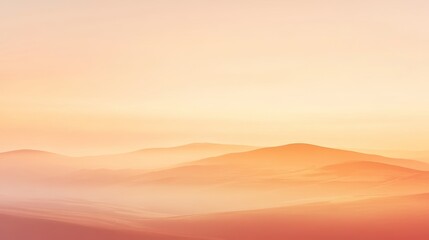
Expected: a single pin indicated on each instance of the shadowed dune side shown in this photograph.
(392, 218)
(406, 154)
(367, 171)
(380, 178)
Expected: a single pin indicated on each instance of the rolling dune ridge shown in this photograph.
(296, 191)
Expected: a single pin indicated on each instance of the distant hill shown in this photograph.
(29, 164)
(164, 157)
(28, 154)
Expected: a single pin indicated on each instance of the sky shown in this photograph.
(91, 77)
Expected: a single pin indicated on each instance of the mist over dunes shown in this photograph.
(28, 162)
(164, 157)
(283, 162)
(294, 191)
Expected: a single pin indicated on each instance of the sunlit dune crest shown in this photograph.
(307, 155)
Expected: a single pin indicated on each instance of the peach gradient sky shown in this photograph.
(86, 77)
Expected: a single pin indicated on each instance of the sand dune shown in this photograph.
(286, 175)
(84, 199)
(284, 162)
(299, 156)
(260, 178)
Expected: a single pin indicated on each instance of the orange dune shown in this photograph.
(268, 164)
(300, 155)
(247, 180)
(258, 179)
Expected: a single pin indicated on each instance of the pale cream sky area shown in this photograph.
(89, 77)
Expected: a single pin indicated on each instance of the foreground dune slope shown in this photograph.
(27, 228)
(392, 218)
